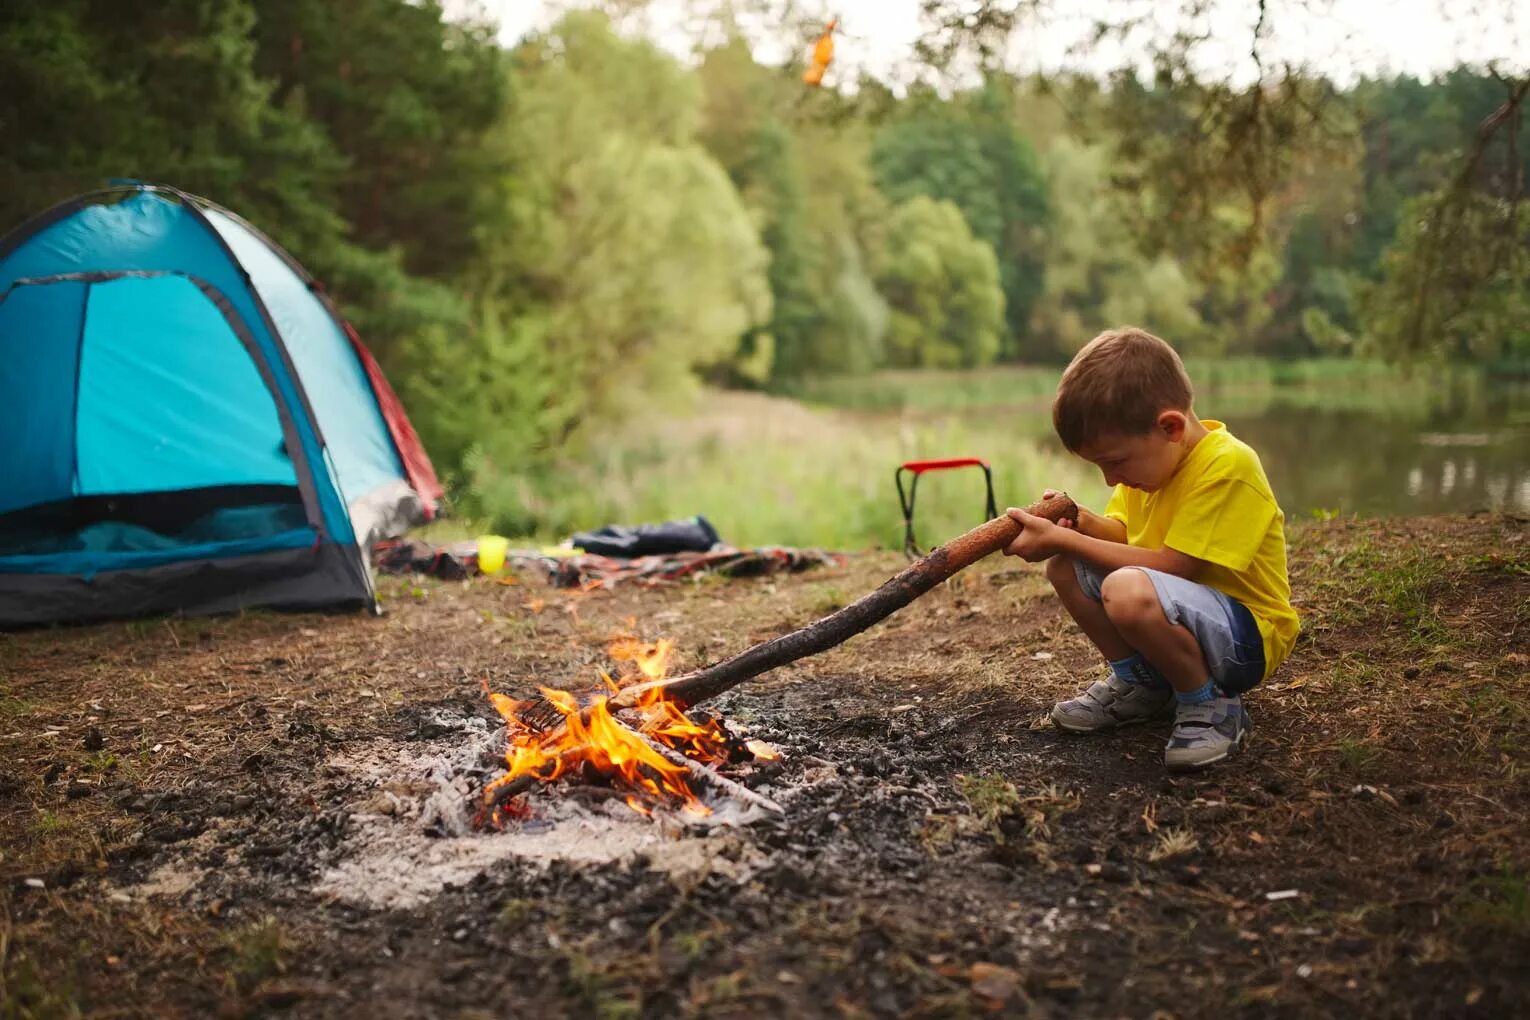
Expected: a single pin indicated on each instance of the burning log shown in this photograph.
(497, 795)
(913, 581)
(738, 791)
(502, 792)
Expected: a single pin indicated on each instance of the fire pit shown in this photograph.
(662, 753)
(417, 825)
(616, 771)
(662, 756)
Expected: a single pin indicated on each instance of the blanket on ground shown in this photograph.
(458, 560)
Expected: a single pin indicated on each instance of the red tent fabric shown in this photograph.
(422, 474)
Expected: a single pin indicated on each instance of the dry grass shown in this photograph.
(1169, 843)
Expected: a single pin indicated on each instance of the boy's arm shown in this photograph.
(1041, 539)
(1110, 555)
(1106, 529)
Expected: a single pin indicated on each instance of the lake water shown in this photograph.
(1442, 443)
(1366, 440)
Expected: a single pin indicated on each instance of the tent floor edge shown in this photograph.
(322, 577)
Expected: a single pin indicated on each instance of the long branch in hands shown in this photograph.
(914, 580)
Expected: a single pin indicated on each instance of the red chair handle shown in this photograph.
(921, 466)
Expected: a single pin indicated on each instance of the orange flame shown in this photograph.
(598, 740)
(651, 660)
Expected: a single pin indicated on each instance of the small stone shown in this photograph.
(459, 934)
(993, 981)
(36, 883)
(1412, 672)
(93, 739)
(993, 871)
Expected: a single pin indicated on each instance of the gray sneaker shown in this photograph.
(1205, 734)
(1110, 703)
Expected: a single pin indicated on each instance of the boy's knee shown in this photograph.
(1059, 571)
(1129, 597)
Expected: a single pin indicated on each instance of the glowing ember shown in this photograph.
(652, 660)
(596, 740)
(762, 751)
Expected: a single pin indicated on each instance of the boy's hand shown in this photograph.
(1039, 538)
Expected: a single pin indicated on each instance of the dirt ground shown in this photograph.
(173, 794)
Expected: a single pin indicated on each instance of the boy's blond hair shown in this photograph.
(1117, 385)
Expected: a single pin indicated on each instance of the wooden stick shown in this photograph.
(913, 581)
(567, 758)
(736, 790)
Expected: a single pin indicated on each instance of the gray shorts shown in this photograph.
(1228, 636)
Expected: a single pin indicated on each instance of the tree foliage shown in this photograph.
(943, 286)
(626, 261)
(970, 152)
(808, 187)
(544, 241)
(302, 119)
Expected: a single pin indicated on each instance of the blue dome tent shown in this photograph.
(186, 424)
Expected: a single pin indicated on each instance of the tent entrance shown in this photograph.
(139, 428)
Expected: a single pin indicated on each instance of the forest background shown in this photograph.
(611, 284)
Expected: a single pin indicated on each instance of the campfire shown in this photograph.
(651, 751)
(635, 734)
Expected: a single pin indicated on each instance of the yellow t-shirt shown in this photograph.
(1218, 507)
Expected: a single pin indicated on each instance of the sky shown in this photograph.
(1341, 38)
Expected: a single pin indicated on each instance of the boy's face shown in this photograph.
(1145, 461)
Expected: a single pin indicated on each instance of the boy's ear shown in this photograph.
(1173, 424)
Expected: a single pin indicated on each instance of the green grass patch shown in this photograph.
(16, 708)
(1367, 585)
(1513, 564)
(1357, 756)
(599, 986)
(769, 471)
(516, 912)
(995, 808)
(27, 993)
(100, 762)
(259, 951)
(1350, 670)
(933, 390)
(1496, 905)
(990, 798)
(49, 823)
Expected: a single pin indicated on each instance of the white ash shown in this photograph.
(171, 880)
(411, 833)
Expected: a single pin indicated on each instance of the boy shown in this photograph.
(1181, 584)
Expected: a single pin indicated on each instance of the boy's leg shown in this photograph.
(1087, 610)
(1134, 692)
(1131, 606)
(1205, 644)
